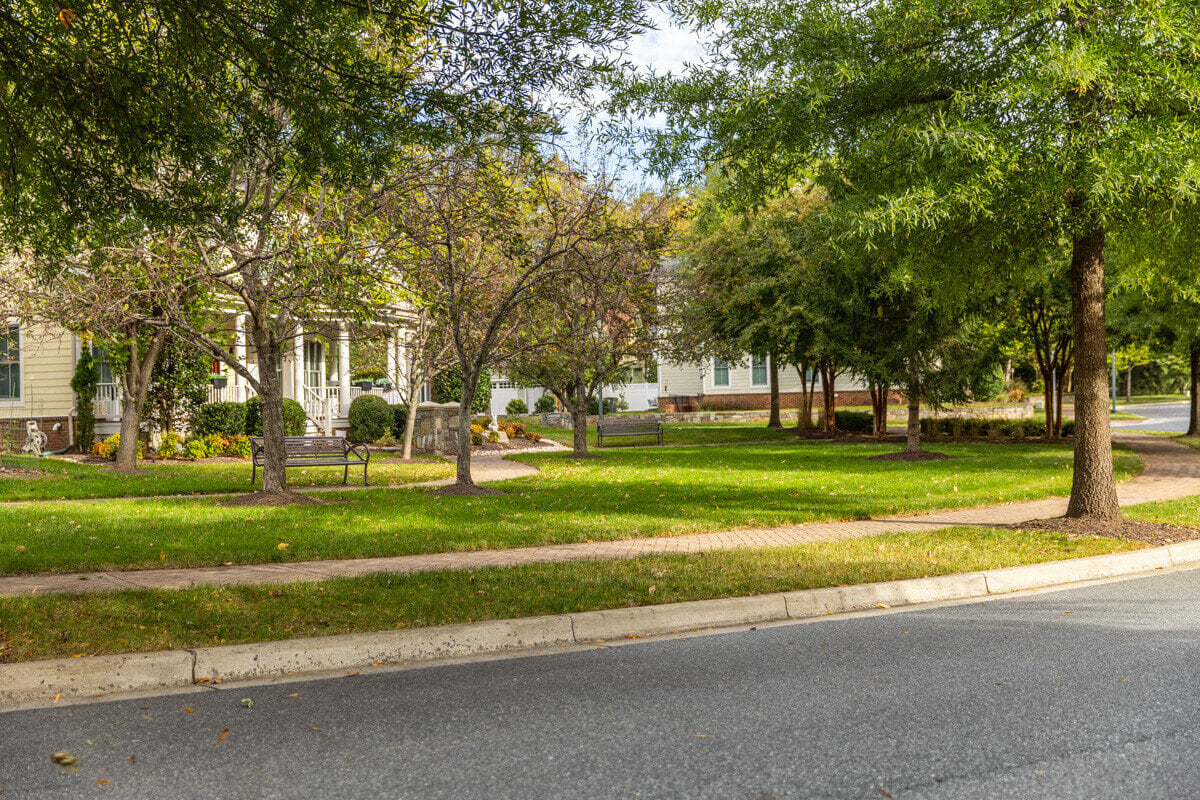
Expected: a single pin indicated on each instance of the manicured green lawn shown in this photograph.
(630, 493)
(63, 625)
(692, 433)
(71, 480)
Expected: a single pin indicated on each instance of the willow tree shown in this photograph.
(991, 117)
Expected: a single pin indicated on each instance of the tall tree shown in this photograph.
(995, 117)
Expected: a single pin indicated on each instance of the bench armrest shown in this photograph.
(360, 449)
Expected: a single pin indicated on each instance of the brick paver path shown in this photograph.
(1172, 470)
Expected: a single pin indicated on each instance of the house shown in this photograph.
(38, 361)
(720, 384)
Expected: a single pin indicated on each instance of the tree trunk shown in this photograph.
(773, 379)
(1048, 397)
(579, 421)
(1194, 394)
(410, 425)
(462, 469)
(1060, 389)
(1093, 491)
(136, 385)
(828, 376)
(804, 415)
(913, 441)
(879, 404)
(1129, 384)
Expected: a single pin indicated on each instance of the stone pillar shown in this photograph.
(239, 345)
(343, 345)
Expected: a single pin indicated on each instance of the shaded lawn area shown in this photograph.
(1150, 398)
(634, 493)
(1191, 441)
(91, 624)
(686, 433)
(63, 479)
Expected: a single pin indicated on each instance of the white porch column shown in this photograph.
(239, 345)
(393, 373)
(343, 345)
(298, 367)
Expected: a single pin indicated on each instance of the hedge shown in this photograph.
(227, 419)
(295, 421)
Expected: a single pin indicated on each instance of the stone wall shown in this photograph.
(436, 429)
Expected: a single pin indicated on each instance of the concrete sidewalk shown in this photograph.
(1171, 471)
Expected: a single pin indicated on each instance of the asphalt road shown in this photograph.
(1171, 417)
(1086, 693)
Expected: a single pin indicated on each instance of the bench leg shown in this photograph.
(345, 475)
(365, 481)
(253, 473)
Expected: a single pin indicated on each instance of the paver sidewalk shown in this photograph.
(1171, 471)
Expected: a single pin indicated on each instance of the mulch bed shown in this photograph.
(20, 472)
(922, 455)
(274, 499)
(1140, 530)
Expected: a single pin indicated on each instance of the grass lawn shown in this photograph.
(64, 625)
(63, 479)
(629, 493)
(685, 433)
(1123, 416)
(1191, 441)
(1151, 398)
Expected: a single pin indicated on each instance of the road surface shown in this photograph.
(1087, 693)
(1171, 417)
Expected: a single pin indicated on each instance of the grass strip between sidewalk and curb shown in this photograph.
(58, 626)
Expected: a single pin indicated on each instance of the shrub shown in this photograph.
(194, 448)
(399, 420)
(215, 444)
(545, 404)
(516, 407)
(239, 446)
(108, 447)
(533, 436)
(227, 419)
(1068, 427)
(387, 440)
(370, 417)
(294, 418)
(171, 445)
(513, 429)
(854, 421)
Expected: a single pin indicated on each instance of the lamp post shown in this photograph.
(1114, 381)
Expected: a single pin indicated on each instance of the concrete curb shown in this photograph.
(39, 682)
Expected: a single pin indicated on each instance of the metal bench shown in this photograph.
(628, 427)
(314, 451)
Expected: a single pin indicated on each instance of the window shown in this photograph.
(103, 365)
(720, 372)
(758, 370)
(423, 396)
(10, 362)
(314, 364)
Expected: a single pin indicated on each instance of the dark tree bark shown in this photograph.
(773, 378)
(879, 404)
(1093, 491)
(807, 388)
(470, 379)
(829, 373)
(1129, 384)
(913, 432)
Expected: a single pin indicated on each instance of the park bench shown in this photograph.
(314, 451)
(628, 427)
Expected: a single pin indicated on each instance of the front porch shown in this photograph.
(315, 372)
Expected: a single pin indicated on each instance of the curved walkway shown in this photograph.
(1171, 471)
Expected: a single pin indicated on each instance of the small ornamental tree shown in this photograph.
(83, 383)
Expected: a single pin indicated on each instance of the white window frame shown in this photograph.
(756, 363)
(720, 365)
(19, 400)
